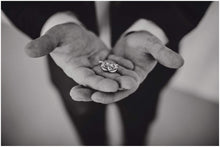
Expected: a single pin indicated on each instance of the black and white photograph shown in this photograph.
(109, 73)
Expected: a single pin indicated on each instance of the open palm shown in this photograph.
(144, 50)
(77, 51)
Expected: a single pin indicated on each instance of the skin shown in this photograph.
(144, 50)
(78, 51)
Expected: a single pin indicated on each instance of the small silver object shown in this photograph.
(108, 66)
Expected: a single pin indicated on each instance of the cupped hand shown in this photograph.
(77, 51)
(144, 50)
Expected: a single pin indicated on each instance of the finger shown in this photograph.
(80, 93)
(126, 80)
(166, 56)
(87, 77)
(122, 61)
(108, 98)
(41, 46)
(152, 45)
(130, 73)
(100, 72)
(123, 65)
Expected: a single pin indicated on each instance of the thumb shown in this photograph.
(153, 46)
(167, 57)
(41, 46)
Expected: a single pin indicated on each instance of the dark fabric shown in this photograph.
(31, 16)
(139, 109)
(87, 117)
(175, 18)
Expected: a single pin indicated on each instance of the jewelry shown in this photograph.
(108, 66)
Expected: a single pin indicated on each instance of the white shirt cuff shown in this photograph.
(147, 25)
(59, 18)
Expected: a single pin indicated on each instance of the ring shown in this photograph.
(108, 66)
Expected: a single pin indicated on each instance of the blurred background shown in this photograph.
(188, 112)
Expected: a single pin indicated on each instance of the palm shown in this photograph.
(133, 48)
(144, 50)
(78, 54)
(77, 51)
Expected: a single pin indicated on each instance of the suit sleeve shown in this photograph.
(176, 19)
(30, 17)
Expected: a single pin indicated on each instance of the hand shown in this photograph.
(144, 50)
(77, 51)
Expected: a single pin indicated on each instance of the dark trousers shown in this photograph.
(137, 111)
